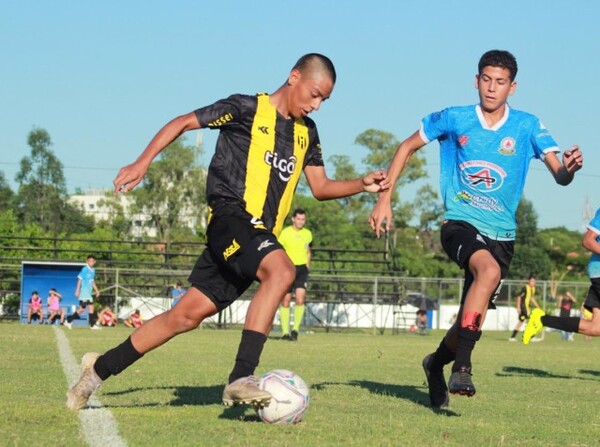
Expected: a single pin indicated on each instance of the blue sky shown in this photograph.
(103, 77)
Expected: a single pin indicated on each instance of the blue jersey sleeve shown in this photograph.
(541, 140)
(434, 126)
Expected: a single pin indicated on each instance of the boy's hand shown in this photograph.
(573, 159)
(381, 212)
(374, 182)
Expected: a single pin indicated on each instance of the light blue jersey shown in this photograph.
(483, 169)
(87, 276)
(594, 264)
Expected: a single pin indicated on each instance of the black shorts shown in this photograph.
(301, 280)
(523, 315)
(461, 239)
(85, 303)
(236, 245)
(593, 297)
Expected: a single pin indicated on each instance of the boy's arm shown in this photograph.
(590, 243)
(78, 288)
(383, 209)
(132, 174)
(324, 188)
(96, 289)
(563, 173)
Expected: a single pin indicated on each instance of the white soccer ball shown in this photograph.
(290, 397)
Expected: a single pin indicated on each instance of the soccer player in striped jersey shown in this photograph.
(265, 143)
(485, 151)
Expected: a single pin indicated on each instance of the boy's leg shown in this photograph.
(299, 309)
(284, 315)
(275, 273)
(189, 313)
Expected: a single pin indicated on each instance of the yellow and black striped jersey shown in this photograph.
(259, 156)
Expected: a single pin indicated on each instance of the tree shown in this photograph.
(6, 194)
(172, 194)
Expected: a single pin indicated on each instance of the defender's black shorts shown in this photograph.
(461, 239)
(301, 280)
(523, 315)
(236, 244)
(86, 302)
(593, 297)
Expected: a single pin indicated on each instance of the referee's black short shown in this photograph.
(301, 280)
(236, 245)
(460, 240)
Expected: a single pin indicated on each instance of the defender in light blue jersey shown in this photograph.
(485, 151)
(86, 286)
(591, 241)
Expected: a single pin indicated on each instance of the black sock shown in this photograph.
(442, 356)
(464, 347)
(248, 355)
(514, 334)
(93, 318)
(568, 324)
(116, 360)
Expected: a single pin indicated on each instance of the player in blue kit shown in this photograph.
(591, 241)
(485, 150)
(86, 286)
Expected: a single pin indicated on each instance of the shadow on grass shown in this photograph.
(589, 371)
(517, 371)
(407, 392)
(183, 395)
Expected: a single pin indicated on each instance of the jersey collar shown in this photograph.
(484, 123)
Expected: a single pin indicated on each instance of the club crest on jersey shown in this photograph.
(507, 146)
(482, 176)
(285, 167)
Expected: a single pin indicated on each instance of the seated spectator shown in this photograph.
(177, 293)
(35, 310)
(135, 320)
(107, 317)
(54, 309)
(421, 321)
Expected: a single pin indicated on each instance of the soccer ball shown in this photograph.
(290, 397)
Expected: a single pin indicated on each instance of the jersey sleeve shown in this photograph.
(541, 140)
(434, 126)
(314, 156)
(221, 113)
(594, 224)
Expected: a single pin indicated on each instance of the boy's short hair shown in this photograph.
(298, 211)
(499, 58)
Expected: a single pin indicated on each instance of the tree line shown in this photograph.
(172, 197)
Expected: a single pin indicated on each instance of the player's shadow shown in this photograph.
(408, 392)
(589, 371)
(182, 395)
(517, 371)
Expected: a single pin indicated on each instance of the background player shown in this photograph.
(296, 240)
(485, 150)
(86, 284)
(588, 327)
(265, 143)
(524, 298)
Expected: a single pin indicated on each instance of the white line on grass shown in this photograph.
(97, 423)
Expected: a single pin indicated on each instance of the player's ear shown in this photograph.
(294, 76)
(513, 88)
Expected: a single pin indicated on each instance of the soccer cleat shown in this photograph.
(69, 325)
(438, 391)
(460, 382)
(534, 325)
(294, 336)
(89, 382)
(286, 337)
(245, 390)
(95, 328)
(512, 339)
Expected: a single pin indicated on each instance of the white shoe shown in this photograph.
(245, 390)
(512, 339)
(89, 382)
(68, 325)
(95, 328)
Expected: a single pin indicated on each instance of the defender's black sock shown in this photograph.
(568, 324)
(116, 360)
(248, 355)
(93, 318)
(442, 356)
(464, 347)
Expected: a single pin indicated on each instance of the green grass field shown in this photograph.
(366, 390)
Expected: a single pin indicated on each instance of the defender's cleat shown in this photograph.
(294, 336)
(460, 382)
(438, 391)
(89, 382)
(245, 390)
(534, 325)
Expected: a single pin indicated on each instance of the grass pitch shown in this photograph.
(366, 390)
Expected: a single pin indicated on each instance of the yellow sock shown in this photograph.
(298, 314)
(284, 315)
